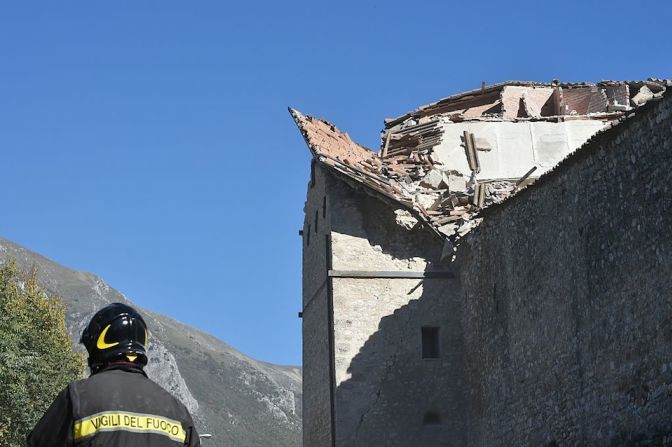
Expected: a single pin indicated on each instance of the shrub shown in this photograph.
(36, 356)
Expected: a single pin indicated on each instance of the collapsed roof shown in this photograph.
(445, 161)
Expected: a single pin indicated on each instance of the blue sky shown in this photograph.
(149, 142)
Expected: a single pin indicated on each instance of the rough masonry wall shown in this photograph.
(384, 387)
(567, 306)
(316, 315)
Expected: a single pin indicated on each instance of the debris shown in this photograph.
(405, 219)
(643, 95)
(479, 195)
(433, 179)
(427, 201)
(447, 193)
(449, 229)
(470, 148)
(455, 181)
(525, 176)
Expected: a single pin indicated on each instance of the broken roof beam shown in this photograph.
(470, 149)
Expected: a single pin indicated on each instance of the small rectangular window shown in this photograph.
(430, 342)
(431, 418)
(317, 217)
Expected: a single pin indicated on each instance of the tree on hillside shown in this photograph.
(36, 356)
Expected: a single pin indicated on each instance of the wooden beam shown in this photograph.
(524, 177)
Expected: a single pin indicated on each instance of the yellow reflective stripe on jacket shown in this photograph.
(131, 422)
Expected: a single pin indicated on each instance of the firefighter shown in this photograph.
(117, 405)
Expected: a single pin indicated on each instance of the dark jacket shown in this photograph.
(118, 406)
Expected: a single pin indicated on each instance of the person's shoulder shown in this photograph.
(83, 385)
(106, 378)
(169, 397)
(161, 390)
(75, 384)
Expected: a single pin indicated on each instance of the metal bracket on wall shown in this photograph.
(388, 274)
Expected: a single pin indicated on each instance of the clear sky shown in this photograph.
(149, 141)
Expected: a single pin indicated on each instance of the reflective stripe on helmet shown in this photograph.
(101, 344)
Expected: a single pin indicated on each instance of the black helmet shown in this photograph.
(115, 331)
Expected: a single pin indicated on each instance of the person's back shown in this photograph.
(118, 405)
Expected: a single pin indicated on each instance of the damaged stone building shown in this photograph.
(496, 274)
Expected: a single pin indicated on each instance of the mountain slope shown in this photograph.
(239, 400)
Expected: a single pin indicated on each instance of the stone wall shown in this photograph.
(556, 331)
(567, 299)
(316, 315)
(384, 387)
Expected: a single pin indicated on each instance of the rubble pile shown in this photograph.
(448, 198)
(406, 173)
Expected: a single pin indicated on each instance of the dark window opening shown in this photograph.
(430, 342)
(324, 207)
(308, 235)
(431, 418)
(317, 216)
